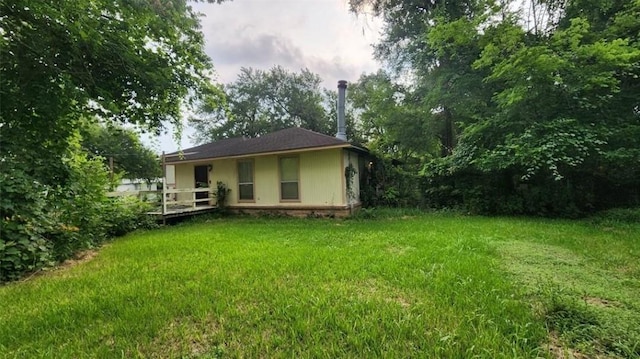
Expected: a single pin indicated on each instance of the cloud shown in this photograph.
(264, 49)
(319, 35)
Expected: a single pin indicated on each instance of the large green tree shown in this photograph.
(536, 109)
(389, 120)
(123, 149)
(260, 102)
(137, 62)
(433, 44)
(140, 62)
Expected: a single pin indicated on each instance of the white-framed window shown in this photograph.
(289, 179)
(245, 180)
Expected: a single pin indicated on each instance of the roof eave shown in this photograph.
(255, 154)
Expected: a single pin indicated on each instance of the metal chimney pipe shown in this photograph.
(342, 127)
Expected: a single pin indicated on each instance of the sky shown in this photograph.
(321, 35)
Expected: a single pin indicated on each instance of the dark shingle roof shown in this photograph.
(284, 140)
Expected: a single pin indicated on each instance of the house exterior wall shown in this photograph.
(321, 179)
(184, 178)
(353, 195)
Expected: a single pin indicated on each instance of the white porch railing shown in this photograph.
(170, 197)
(170, 200)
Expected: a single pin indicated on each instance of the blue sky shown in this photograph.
(321, 35)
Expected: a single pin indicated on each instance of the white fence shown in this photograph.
(172, 200)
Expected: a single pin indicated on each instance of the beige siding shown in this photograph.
(184, 179)
(225, 171)
(266, 185)
(321, 179)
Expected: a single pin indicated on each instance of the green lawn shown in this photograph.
(426, 285)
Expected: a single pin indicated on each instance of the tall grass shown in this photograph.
(398, 285)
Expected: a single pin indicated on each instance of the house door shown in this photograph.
(201, 176)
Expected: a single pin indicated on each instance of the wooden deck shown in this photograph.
(168, 204)
(182, 211)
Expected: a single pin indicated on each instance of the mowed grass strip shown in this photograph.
(395, 286)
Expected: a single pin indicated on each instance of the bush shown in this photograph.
(41, 225)
(24, 225)
(79, 206)
(127, 214)
(617, 216)
(389, 184)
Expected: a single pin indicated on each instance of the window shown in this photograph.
(289, 189)
(245, 180)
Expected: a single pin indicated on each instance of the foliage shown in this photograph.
(535, 110)
(386, 183)
(25, 222)
(131, 159)
(138, 63)
(80, 204)
(222, 194)
(127, 214)
(260, 102)
(617, 217)
(44, 224)
(62, 64)
(349, 176)
(389, 120)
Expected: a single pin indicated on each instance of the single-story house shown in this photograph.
(294, 171)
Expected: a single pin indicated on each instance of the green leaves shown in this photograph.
(526, 105)
(138, 62)
(260, 102)
(131, 158)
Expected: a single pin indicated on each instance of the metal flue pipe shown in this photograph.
(342, 126)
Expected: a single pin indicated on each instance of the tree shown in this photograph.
(136, 62)
(391, 124)
(434, 44)
(131, 159)
(536, 110)
(62, 62)
(260, 102)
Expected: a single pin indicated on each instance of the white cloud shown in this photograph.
(321, 35)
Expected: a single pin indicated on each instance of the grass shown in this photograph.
(395, 285)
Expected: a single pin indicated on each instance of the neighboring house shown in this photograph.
(131, 185)
(294, 171)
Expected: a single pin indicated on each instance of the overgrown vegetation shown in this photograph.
(510, 107)
(402, 284)
(70, 73)
(41, 225)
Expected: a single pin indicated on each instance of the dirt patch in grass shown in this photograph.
(185, 337)
(79, 258)
(399, 250)
(601, 302)
(560, 351)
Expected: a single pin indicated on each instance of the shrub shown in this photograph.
(79, 206)
(126, 214)
(222, 194)
(24, 225)
(42, 224)
(387, 183)
(617, 216)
